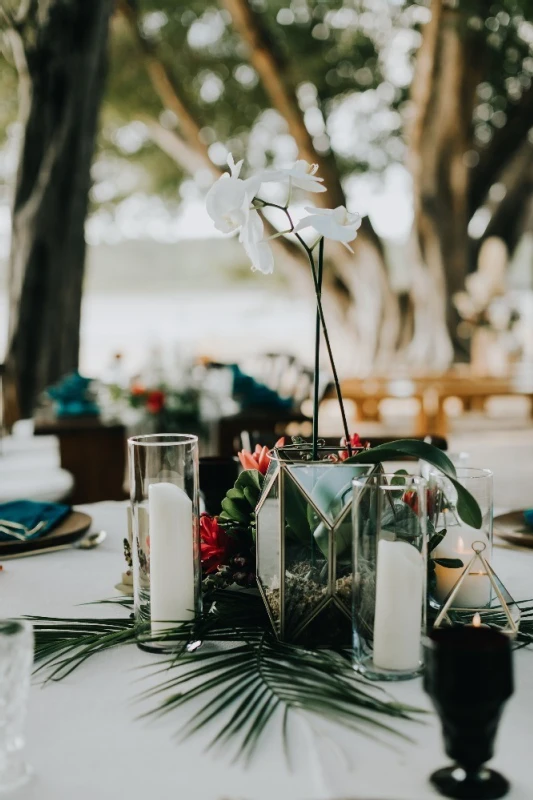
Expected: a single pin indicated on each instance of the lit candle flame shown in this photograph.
(476, 620)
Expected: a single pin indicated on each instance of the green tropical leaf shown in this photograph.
(234, 511)
(436, 539)
(450, 563)
(467, 507)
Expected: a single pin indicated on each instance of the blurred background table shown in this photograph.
(94, 453)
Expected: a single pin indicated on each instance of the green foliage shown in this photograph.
(238, 507)
(257, 683)
(360, 55)
(467, 506)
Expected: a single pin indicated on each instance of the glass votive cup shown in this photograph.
(389, 575)
(457, 545)
(164, 491)
(16, 659)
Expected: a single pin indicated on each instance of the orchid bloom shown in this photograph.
(229, 199)
(260, 458)
(258, 251)
(301, 174)
(336, 224)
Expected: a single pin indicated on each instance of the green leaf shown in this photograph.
(252, 498)
(467, 507)
(436, 539)
(296, 512)
(234, 511)
(450, 563)
(250, 478)
(234, 494)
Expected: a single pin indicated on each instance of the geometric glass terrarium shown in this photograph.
(303, 544)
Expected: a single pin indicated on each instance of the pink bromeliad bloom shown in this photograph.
(260, 458)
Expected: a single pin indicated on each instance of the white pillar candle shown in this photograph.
(398, 615)
(171, 555)
(475, 592)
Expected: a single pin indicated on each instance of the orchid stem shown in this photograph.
(320, 312)
(316, 395)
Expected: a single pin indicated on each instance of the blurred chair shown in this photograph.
(217, 476)
(248, 428)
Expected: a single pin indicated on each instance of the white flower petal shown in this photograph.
(235, 168)
(253, 229)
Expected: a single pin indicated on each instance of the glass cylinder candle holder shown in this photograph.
(16, 659)
(390, 569)
(166, 539)
(454, 552)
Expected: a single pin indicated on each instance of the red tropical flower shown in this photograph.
(260, 458)
(355, 444)
(155, 401)
(215, 545)
(410, 498)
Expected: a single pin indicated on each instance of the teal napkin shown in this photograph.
(30, 514)
(528, 516)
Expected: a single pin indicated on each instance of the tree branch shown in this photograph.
(163, 82)
(180, 151)
(273, 72)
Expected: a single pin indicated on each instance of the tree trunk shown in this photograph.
(449, 67)
(59, 50)
(508, 219)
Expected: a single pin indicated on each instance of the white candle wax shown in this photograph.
(475, 591)
(171, 555)
(398, 615)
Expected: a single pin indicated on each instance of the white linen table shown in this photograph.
(85, 743)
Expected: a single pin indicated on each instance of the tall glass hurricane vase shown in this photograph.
(390, 569)
(166, 546)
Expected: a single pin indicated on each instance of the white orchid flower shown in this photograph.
(258, 251)
(229, 199)
(337, 224)
(301, 174)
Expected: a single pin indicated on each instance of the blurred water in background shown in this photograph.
(184, 300)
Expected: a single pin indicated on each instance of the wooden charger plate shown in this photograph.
(513, 528)
(72, 528)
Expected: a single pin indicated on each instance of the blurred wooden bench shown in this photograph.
(431, 392)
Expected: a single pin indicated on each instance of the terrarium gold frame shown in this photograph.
(281, 475)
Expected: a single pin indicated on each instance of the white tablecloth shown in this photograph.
(84, 741)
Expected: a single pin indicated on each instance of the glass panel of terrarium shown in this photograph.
(306, 561)
(268, 539)
(328, 485)
(342, 537)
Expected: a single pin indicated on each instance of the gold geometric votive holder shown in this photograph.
(502, 612)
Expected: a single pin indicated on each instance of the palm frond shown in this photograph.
(242, 690)
(238, 692)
